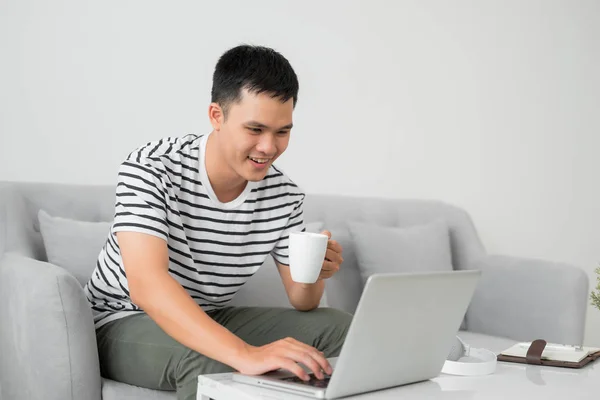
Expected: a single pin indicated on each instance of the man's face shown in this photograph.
(255, 133)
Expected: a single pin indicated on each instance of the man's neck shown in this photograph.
(226, 184)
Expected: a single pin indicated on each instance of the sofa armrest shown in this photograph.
(47, 335)
(526, 299)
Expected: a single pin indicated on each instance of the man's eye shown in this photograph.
(255, 130)
(283, 132)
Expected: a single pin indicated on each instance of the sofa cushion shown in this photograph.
(344, 288)
(113, 390)
(383, 249)
(73, 245)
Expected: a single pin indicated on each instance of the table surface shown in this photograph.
(511, 380)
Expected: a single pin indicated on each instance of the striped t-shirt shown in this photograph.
(214, 247)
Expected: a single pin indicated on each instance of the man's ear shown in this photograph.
(216, 116)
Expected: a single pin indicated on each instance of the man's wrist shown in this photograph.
(307, 296)
(309, 286)
(239, 356)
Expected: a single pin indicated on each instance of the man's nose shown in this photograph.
(266, 145)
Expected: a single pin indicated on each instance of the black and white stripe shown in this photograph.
(213, 249)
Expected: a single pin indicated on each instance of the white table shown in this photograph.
(510, 381)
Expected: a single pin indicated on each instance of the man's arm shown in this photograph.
(151, 287)
(303, 296)
(307, 296)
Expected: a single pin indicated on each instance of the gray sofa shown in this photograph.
(47, 341)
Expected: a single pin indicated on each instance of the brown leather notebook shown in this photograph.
(533, 356)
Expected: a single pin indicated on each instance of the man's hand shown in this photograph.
(285, 354)
(333, 258)
(306, 296)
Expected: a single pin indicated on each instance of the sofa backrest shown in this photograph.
(20, 203)
(344, 289)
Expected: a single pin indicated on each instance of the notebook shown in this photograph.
(539, 352)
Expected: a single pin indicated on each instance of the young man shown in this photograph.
(195, 217)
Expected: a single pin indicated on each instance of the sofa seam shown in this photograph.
(67, 334)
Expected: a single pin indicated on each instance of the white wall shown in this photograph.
(493, 106)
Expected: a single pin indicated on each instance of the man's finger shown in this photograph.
(333, 256)
(330, 267)
(335, 246)
(327, 233)
(290, 365)
(310, 361)
(315, 354)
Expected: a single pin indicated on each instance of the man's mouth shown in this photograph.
(259, 160)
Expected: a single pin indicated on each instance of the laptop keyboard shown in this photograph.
(314, 381)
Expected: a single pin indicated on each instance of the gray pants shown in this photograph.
(135, 350)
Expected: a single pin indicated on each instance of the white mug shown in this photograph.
(307, 253)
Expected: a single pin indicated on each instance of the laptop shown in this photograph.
(401, 333)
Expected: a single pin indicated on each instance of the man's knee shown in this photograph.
(331, 326)
(334, 318)
(189, 367)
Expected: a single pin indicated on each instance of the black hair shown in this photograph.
(255, 68)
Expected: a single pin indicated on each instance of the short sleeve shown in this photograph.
(141, 200)
(295, 223)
